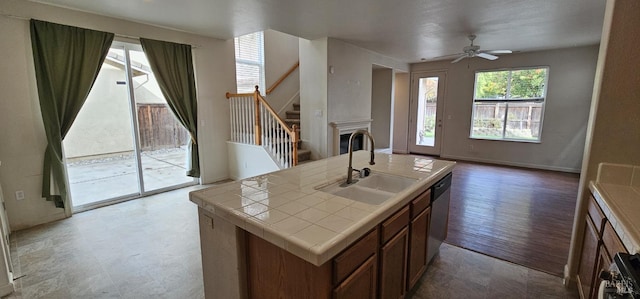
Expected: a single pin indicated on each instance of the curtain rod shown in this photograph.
(4, 14)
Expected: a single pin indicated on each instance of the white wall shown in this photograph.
(349, 86)
(313, 96)
(381, 96)
(401, 113)
(22, 134)
(246, 160)
(280, 54)
(571, 75)
(612, 135)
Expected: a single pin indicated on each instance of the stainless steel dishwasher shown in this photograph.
(440, 196)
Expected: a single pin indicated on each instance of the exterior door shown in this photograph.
(425, 121)
(125, 142)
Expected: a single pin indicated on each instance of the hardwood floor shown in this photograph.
(519, 215)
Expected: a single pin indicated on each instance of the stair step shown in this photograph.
(296, 107)
(291, 121)
(293, 114)
(304, 155)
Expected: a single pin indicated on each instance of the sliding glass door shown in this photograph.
(125, 142)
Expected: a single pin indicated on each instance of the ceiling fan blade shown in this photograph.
(447, 56)
(459, 58)
(498, 51)
(487, 56)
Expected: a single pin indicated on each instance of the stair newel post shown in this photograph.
(294, 144)
(258, 128)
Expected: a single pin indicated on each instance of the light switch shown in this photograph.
(317, 113)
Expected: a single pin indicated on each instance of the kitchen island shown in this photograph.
(289, 234)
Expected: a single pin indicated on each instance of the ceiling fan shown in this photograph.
(474, 51)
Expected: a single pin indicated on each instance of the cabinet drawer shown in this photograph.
(394, 224)
(420, 203)
(596, 214)
(350, 259)
(611, 240)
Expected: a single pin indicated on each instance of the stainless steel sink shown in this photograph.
(374, 189)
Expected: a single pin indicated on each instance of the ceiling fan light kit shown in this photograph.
(474, 51)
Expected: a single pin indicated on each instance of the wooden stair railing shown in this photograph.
(253, 121)
(293, 68)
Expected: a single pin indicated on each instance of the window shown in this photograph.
(250, 62)
(509, 104)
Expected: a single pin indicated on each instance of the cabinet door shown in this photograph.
(586, 270)
(418, 231)
(393, 270)
(604, 261)
(360, 284)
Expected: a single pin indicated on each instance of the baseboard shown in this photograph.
(566, 280)
(400, 151)
(509, 163)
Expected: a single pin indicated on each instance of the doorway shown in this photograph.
(381, 106)
(426, 110)
(125, 142)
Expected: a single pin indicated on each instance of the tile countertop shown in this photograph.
(284, 207)
(617, 191)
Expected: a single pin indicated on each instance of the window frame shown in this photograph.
(260, 64)
(507, 100)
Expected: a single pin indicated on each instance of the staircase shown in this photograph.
(255, 122)
(293, 118)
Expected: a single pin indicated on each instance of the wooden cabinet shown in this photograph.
(393, 255)
(418, 233)
(385, 263)
(393, 261)
(357, 254)
(599, 244)
(418, 238)
(360, 284)
(586, 269)
(602, 263)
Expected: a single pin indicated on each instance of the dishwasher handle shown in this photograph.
(441, 186)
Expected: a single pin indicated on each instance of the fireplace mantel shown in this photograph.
(348, 127)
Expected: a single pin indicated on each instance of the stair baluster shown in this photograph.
(253, 121)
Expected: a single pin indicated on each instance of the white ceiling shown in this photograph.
(407, 30)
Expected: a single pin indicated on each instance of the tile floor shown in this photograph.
(149, 248)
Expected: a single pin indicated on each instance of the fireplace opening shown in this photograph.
(357, 143)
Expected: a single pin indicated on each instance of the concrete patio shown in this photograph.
(105, 177)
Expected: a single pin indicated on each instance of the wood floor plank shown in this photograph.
(519, 215)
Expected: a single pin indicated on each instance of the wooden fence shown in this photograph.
(523, 117)
(159, 129)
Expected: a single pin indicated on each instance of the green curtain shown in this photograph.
(67, 61)
(172, 65)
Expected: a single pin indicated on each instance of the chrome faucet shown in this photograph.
(371, 162)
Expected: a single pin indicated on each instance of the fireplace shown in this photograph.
(341, 132)
(358, 143)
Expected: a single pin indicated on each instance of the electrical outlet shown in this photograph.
(19, 195)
